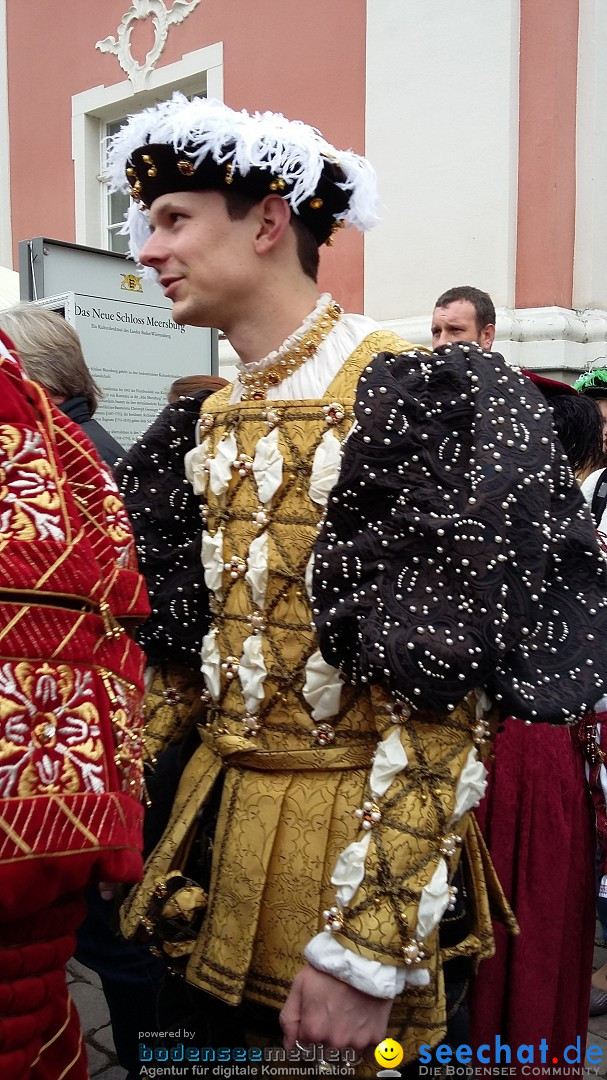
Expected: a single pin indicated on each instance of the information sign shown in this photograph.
(130, 342)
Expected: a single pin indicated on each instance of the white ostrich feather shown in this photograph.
(286, 148)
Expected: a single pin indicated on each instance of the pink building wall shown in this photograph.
(547, 153)
(305, 60)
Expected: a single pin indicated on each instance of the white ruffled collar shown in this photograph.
(273, 358)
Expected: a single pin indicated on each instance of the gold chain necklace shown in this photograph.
(257, 383)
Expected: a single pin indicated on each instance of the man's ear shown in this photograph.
(487, 336)
(274, 218)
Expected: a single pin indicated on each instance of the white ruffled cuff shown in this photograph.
(369, 976)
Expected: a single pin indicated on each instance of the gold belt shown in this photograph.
(238, 753)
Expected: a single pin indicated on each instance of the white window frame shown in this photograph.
(93, 108)
(111, 226)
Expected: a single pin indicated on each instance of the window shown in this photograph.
(100, 112)
(117, 203)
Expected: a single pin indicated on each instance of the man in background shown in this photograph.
(463, 314)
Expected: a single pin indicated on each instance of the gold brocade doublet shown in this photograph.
(296, 744)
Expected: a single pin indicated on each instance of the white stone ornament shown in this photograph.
(251, 725)
(449, 844)
(205, 422)
(334, 412)
(162, 18)
(323, 735)
(243, 465)
(230, 667)
(261, 517)
(272, 416)
(236, 567)
(257, 622)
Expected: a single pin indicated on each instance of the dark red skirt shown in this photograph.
(538, 821)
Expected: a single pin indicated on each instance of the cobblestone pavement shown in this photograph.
(86, 991)
(103, 1064)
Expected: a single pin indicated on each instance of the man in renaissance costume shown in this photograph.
(71, 684)
(347, 778)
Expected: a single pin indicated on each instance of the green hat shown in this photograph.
(593, 383)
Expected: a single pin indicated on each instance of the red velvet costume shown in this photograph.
(70, 695)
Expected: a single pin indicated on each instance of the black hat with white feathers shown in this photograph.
(202, 144)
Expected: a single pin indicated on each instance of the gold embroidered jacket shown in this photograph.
(71, 677)
(297, 745)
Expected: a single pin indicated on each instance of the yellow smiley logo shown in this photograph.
(389, 1053)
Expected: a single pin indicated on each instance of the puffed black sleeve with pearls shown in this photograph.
(457, 551)
(165, 515)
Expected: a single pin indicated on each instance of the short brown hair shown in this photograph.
(238, 205)
(481, 302)
(51, 352)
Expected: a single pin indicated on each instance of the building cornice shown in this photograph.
(554, 340)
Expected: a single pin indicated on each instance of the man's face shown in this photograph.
(203, 258)
(458, 322)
